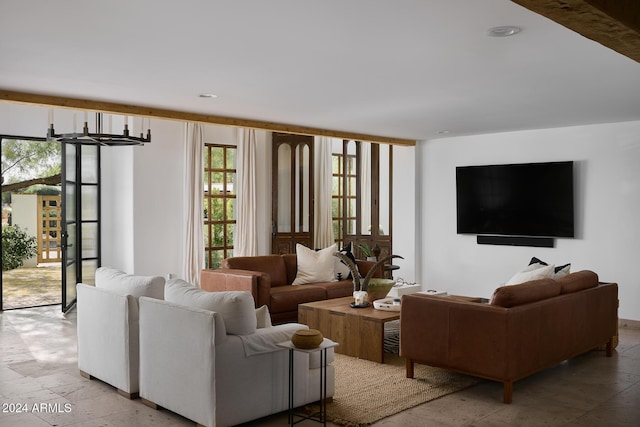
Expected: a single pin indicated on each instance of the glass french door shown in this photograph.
(81, 217)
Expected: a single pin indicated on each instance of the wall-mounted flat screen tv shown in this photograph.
(532, 199)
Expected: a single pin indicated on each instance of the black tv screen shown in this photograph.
(531, 199)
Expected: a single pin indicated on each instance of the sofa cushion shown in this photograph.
(315, 266)
(339, 289)
(532, 272)
(263, 318)
(532, 291)
(128, 284)
(236, 307)
(273, 265)
(287, 298)
(578, 281)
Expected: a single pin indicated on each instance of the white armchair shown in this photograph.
(108, 337)
(213, 365)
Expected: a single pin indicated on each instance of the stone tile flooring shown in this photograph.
(38, 366)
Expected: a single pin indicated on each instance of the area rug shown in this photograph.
(367, 391)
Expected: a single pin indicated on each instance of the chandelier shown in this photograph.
(98, 137)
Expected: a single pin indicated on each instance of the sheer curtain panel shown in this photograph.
(193, 251)
(246, 235)
(323, 227)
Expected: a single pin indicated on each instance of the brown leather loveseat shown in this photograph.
(269, 278)
(524, 329)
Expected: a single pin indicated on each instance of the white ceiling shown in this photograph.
(404, 69)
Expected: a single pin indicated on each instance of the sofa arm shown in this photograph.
(226, 279)
(108, 337)
(465, 336)
(177, 359)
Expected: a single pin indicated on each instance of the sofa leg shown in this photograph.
(150, 404)
(508, 391)
(410, 364)
(128, 395)
(609, 347)
(84, 374)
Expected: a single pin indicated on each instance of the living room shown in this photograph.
(142, 215)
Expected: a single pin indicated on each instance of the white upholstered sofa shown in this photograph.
(212, 357)
(108, 326)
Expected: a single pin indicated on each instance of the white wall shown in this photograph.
(404, 206)
(607, 209)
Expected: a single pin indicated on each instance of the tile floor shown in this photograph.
(38, 365)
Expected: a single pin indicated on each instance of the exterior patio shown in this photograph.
(32, 286)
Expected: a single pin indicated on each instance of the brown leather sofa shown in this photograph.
(525, 328)
(269, 278)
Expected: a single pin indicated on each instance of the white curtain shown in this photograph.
(323, 225)
(193, 251)
(245, 238)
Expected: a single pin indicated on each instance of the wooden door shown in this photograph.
(292, 192)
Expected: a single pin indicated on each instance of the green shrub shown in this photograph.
(17, 246)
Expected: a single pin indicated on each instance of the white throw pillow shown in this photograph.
(562, 271)
(341, 269)
(315, 266)
(532, 272)
(127, 284)
(236, 307)
(263, 317)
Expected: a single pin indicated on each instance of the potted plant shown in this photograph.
(368, 289)
(367, 252)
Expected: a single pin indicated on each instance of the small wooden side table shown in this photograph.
(325, 345)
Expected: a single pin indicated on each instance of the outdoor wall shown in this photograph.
(607, 206)
(24, 213)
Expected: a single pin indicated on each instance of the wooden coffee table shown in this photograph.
(360, 331)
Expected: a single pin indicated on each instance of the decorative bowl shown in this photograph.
(378, 288)
(307, 338)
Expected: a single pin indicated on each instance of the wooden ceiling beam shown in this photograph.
(136, 110)
(612, 23)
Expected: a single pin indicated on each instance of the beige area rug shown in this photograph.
(367, 391)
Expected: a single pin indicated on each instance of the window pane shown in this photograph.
(217, 212)
(89, 164)
(207, 235)
(231, 177)
(229, 235)
(231, 208)
(217, 183)
(216, 259)
(231, 158)
(217, 158)
(351, 210)
(284, 188)
(218, 235)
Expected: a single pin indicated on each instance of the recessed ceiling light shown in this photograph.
(207, 95)
(503, 31)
